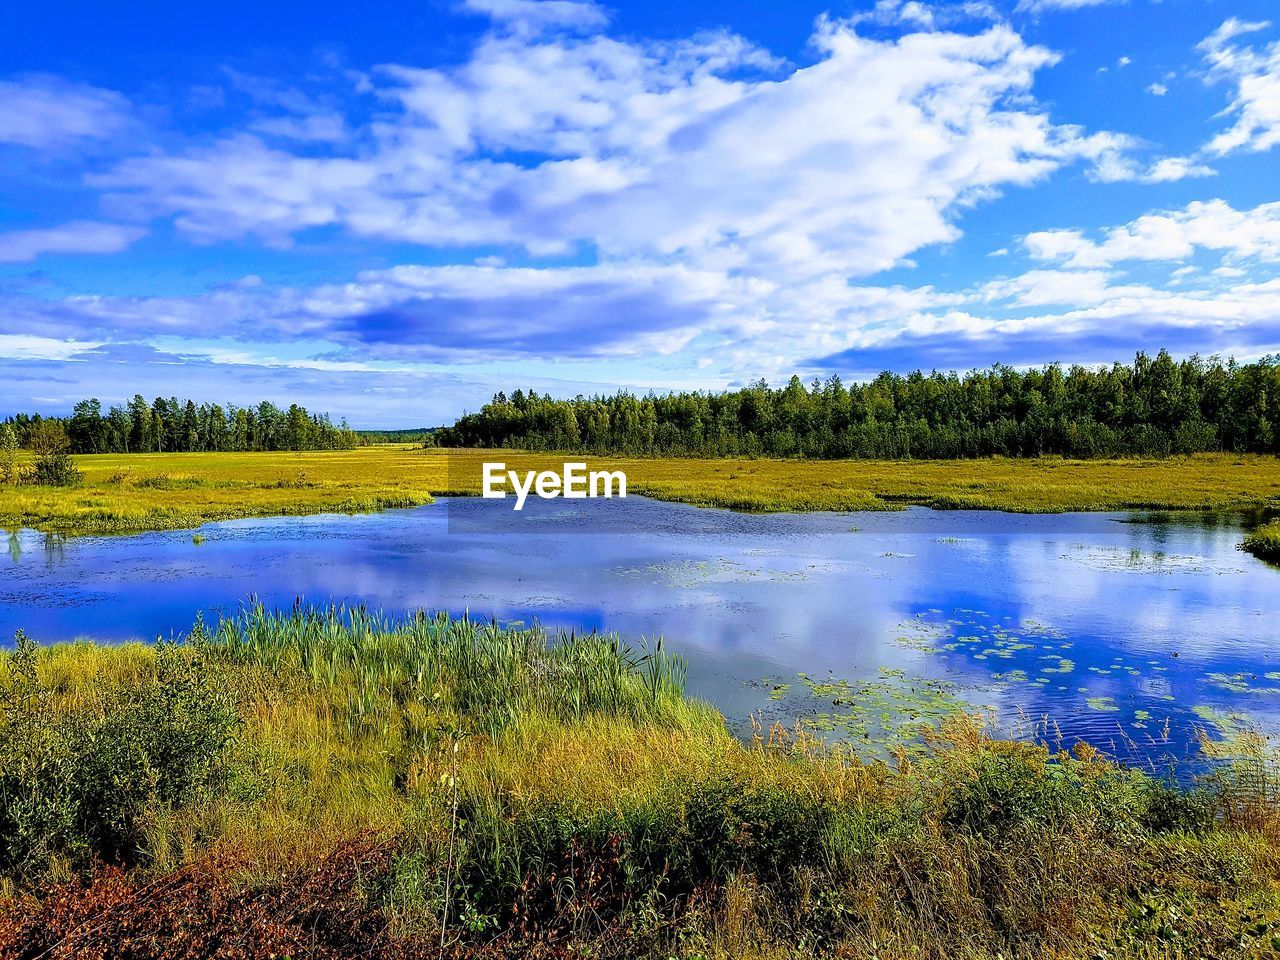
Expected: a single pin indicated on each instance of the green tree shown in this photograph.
(8, 454)
(51, 449)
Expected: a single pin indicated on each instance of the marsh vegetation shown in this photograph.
(333, 783)
(130, 492)
(1265, 542)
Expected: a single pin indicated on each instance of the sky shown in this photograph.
(391, 210)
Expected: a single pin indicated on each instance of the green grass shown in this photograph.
(123, 493)
(545, 796)
(1265, 542)
(129, 493)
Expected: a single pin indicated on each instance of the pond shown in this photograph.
(1130, 632)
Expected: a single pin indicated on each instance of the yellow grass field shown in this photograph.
(132, 492)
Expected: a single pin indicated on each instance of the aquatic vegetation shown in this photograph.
(1265, 542)
(884, 713)
(1133, 560)
(1241, 682)
(395, 784)
(129, 492)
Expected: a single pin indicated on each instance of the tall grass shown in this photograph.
(1265, 542)
(426, 786)
(484, 673)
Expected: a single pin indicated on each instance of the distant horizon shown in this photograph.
(338, 417)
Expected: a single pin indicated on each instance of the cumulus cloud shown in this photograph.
(715, 206)
(707, 149)
(1254, 72)
(46, 112)
(1118, 166)
(78, 236)
(1171, 235)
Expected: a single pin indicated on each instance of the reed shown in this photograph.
(423, 786)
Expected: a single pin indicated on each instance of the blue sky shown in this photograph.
(391, 210)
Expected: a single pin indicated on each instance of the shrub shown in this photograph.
(52, 449)
(1265, 542)
(8, 454)
(320, 911)
(84, 781)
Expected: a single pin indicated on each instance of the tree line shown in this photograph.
(182, 426)
(1155, 406)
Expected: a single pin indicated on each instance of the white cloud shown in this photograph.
(1254, 72)
(1169, 169)
(1040, 6)
(1118, 166)
(78, 236)
(1041, 288)
(29, 347)
(317, 128)
(444, 314)
(728, 209)
(538, 14)
(1171, 235)
(1157, 89)
(706, 149)
(48, 113)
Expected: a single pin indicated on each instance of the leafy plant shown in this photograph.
(85, 781)
(52, 450)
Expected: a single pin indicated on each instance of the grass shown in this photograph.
(428, 787)
(123, 493)
(1265, 542)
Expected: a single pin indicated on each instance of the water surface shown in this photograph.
(1128, 634)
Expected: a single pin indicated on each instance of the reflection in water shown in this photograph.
(1124, 633)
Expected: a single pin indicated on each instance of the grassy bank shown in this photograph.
(333, 784)
(124, 493)
(164, 491)
(1265, 542)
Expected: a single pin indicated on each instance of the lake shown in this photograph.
(1129, 632)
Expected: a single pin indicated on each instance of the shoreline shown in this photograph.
(136, 493)
(515, 803)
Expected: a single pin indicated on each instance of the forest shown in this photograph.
(1155, 406)
(182, 426)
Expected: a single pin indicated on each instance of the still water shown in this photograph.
(1130, 632)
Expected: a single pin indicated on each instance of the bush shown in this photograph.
(52, 449)
(8, 454)
(1264, 542)
(85, 781)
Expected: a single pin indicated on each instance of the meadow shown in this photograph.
(337, 784)
(132, 492)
